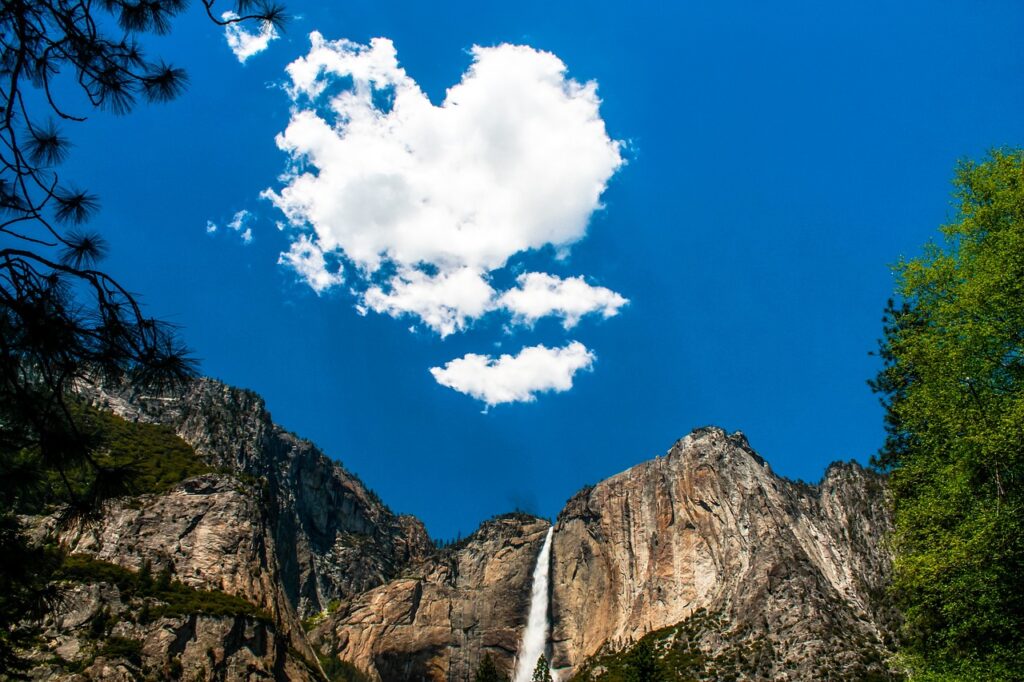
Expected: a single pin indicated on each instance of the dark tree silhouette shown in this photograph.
(542, 673)
(62, 319)
(487, 671)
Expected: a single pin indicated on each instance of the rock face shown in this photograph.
(194, 647)
(444, 614)
(280, 525)
(706, 534)
(209, 531)
(709, 526)
(334, 537)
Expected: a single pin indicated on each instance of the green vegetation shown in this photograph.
(677, 654)
(121, 458)
(338, 670)
(134, 458)
(542, 673)
(157, 457)
(148, 597)
(170, 597)
(673, 654)
(62, 319)
(309, 623)
(953, 386)
(122, 647)
(151, 457)
(487, 671)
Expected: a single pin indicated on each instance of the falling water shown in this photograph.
(536, 636)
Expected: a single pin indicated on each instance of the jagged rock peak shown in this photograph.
(710, 527)
(335, 537)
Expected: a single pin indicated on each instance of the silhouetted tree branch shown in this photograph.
(62, 319)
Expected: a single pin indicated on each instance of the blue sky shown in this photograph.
(775, 160)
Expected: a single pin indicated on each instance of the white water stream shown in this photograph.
(535, 638)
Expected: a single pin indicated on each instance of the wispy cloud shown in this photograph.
(307, 260)
(240, 223)
(244, 43)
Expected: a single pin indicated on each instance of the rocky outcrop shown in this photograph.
(440, 618)
(709, 528)
(334, 537)
(277, 524)
(96, 633)
(209, 532)
(706, 538)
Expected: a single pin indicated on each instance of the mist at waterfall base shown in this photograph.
(535, 638)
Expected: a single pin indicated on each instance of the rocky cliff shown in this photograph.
(708, 528)
(443, 615)
(705, 549)
(334, 537)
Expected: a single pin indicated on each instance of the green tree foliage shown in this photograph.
(487, 671)
(63, 320)
(338, 670)
(172, 597)
(542, 673)
(953, 386)
(643, 663)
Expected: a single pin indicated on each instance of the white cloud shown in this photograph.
(539, 295)
(240, 223)
(515, 378)
(307, 260)
(211, 227)
(242, 42)
(445, 302)
(515, 158)
(239, 220)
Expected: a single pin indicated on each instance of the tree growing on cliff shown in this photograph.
(62, 318)
(953, 388)
(487, 671)
(542, 673)
(643, 663)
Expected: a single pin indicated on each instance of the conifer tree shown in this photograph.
(487, 671)
(643, 664)
(63, 319)
(542, 673)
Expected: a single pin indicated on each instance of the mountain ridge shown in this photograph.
(344, 578)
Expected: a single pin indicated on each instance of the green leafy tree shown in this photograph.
(487, 671)
(62, 319)
(542, 673)
(643, 663)
(953, 388)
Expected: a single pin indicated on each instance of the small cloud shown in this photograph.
(240, 222)
(539, 295)
(517, 378)
(211, 227)
(245, 44)
(307, 260)
(444, 302)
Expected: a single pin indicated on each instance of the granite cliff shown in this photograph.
(443, 615)
(705, 540)
(797, 570)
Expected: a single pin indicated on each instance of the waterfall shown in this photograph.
(535, 638)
